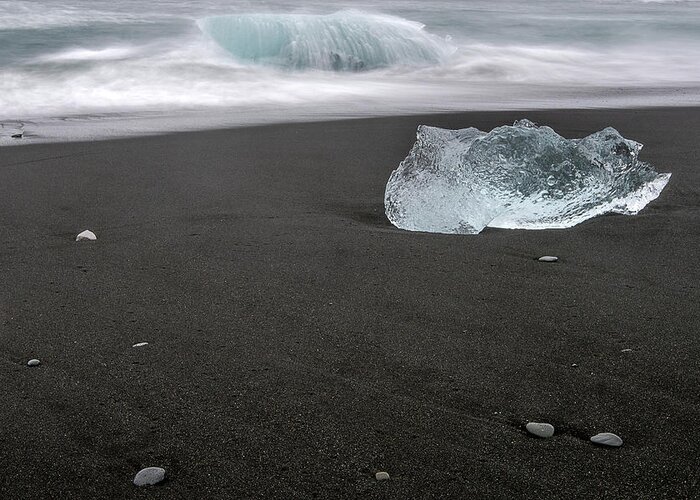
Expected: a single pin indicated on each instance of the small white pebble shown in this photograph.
(33, 362)
(540, 429)
(607, 439)
(548, 258)
(149, 476)
(574, 365)
(86, 236)
(382, 476)
(140, 344)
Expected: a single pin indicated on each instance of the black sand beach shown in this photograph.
(298, 342)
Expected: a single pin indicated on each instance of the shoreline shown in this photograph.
(299, 343)
(537, 98)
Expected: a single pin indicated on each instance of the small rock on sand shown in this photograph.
(607, 439)
(540, 429)
(33, 362)
(149, 476)
(86, 235)
(382, 476)
(548, 258)
(140, 344)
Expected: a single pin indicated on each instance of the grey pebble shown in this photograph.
(548, 258)
(607, 439)
(538, 429)
(382, 476)
(149, 476)
(33, 362)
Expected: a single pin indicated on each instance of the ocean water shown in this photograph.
(96, 68)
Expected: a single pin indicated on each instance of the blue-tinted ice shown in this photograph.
(519, 177)
(344, 41)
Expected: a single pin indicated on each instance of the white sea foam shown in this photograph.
(32, 14)
(81, 54)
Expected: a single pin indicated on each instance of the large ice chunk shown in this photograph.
(348, 40)
(519, 177)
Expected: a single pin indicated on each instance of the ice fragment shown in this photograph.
(343, 41)
(519, 177)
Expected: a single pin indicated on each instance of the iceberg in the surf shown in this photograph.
(519, 177)
(344, 41)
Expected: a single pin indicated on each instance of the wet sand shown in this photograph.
(299, 343)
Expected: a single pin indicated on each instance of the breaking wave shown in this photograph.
(343, 41)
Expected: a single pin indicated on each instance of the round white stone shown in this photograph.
(86, 236)
(607, 439)
(149, 476)
(382, 476)
(33, 362)
(548, 258)
(540, 429)
(140, 344)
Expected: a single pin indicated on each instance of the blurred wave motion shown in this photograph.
(229, 62)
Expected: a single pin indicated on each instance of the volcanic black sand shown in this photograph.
(299, 343)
